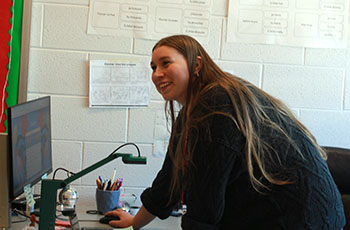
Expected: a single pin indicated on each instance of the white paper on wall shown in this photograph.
(303, 23)
(150, 19)
(161, 134)
(119, 83)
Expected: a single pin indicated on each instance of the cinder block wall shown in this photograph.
(315, 83)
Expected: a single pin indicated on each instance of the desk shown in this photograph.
(91, 220)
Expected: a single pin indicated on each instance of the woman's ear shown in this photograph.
(198, 65)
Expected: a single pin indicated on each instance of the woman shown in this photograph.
(237, 157)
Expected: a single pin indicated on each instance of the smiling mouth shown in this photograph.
(163, 85)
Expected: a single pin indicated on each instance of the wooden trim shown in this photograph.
(25, 44)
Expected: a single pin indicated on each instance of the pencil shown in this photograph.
(113, 186)
(98, 183)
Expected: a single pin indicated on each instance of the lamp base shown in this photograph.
(68, 212)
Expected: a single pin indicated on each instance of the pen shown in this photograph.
(113, 177)
(108, 185)
(104, 185)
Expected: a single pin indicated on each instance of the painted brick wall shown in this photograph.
(315, 83)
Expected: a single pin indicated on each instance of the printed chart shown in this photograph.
(150, 19)
(311, 23)
(119, 84)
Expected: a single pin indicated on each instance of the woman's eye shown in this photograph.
(153, 68)
(165, 63)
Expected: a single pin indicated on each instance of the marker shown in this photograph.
(119, 183)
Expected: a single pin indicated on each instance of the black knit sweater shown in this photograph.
(220, 195)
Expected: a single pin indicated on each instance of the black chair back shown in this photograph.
(339, 165)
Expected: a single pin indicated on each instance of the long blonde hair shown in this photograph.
(247, 109)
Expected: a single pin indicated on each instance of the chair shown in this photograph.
(339, 165)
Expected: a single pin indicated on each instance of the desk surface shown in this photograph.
(91, 220)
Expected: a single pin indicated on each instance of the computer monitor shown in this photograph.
(29, 144)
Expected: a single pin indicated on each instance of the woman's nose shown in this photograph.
(158, 72)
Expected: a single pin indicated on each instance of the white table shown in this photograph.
(91, 220)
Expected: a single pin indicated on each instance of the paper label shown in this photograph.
(29, 195)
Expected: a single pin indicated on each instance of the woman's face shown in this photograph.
(170, 73)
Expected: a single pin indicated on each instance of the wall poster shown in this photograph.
(115, 83)
(303, 23)
(150, 19)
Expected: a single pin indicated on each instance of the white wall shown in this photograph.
(315, 83)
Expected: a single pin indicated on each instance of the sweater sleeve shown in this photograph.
(205, 196)
(156, 198)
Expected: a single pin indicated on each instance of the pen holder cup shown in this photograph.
(106, 200)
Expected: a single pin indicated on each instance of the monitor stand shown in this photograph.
(5, 217)
(21, 204)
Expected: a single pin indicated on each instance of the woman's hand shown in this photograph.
(125, 218)
(142, 218)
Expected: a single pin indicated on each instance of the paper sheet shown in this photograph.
(150, 19)
(119, 83)
(305, 23)
(161, 134)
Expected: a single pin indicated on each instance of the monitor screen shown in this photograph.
(29, 131)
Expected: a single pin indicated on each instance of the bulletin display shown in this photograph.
(300, 23)
(10, 52)
(151, 19)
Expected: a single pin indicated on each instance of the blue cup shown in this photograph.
(107, 200)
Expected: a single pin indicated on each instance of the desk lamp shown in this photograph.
(49, 187)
